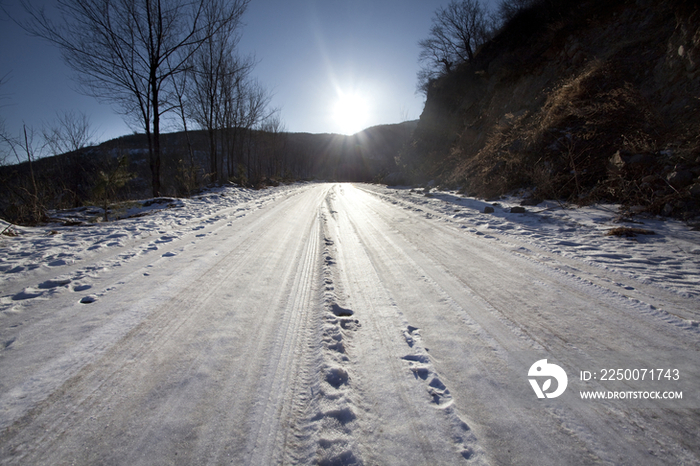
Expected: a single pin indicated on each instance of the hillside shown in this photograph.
(585, 101)
(258, 158)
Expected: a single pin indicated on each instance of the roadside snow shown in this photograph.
(79, 236)
(668, 258)
(341, 324)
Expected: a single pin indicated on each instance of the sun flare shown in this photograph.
(351, 113)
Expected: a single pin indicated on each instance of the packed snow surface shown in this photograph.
(326, 323)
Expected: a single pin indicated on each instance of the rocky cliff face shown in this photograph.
(583, 100)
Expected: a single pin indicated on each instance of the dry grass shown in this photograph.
(9, 231)
(563, 149)
(611, 126)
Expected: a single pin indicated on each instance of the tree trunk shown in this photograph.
(155, 155)
(213, 164)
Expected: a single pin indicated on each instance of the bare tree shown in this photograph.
(70, 132)
(228, 104)
(4, 135)
(456, 33)
(29, 198)
(507, 9)
(5, 146)
(126, 52)
(274, 141)
(254, 101)
(216, 71)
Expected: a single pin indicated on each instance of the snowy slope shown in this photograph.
(345, 324)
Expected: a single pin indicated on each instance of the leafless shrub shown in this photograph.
(109, 181)
(70, 132)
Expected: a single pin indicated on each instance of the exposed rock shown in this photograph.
(618, 160)
(488, 209)
(629, 232)
(622, 159)
(680, 179)
(517, 210)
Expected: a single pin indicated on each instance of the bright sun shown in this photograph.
(351, 113)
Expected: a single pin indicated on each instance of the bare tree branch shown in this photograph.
(457, 32)
(127, 52)
(70, 132)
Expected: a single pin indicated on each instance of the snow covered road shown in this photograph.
(341, 324)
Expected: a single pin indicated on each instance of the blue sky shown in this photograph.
(310, 53)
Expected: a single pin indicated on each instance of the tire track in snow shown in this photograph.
(562, 318)
(124, 241)
(334, 413)
(391, 364)
(174, 365)
(539, 249)
(287, 366)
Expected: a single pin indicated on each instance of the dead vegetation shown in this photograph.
(606, 107)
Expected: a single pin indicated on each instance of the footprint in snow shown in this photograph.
(336, 376)
(89, 299)
(349, 324)
(151, 247)
(58, 263)
(422, 358)
(342, 415)
(439, 392)
(420, 371)
(169, 254)
(27, 293)
(340, 311)
(54, 283)
(408, 335)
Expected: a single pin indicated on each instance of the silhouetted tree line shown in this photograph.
(155, 59)
(174, 64)
(119, 169)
